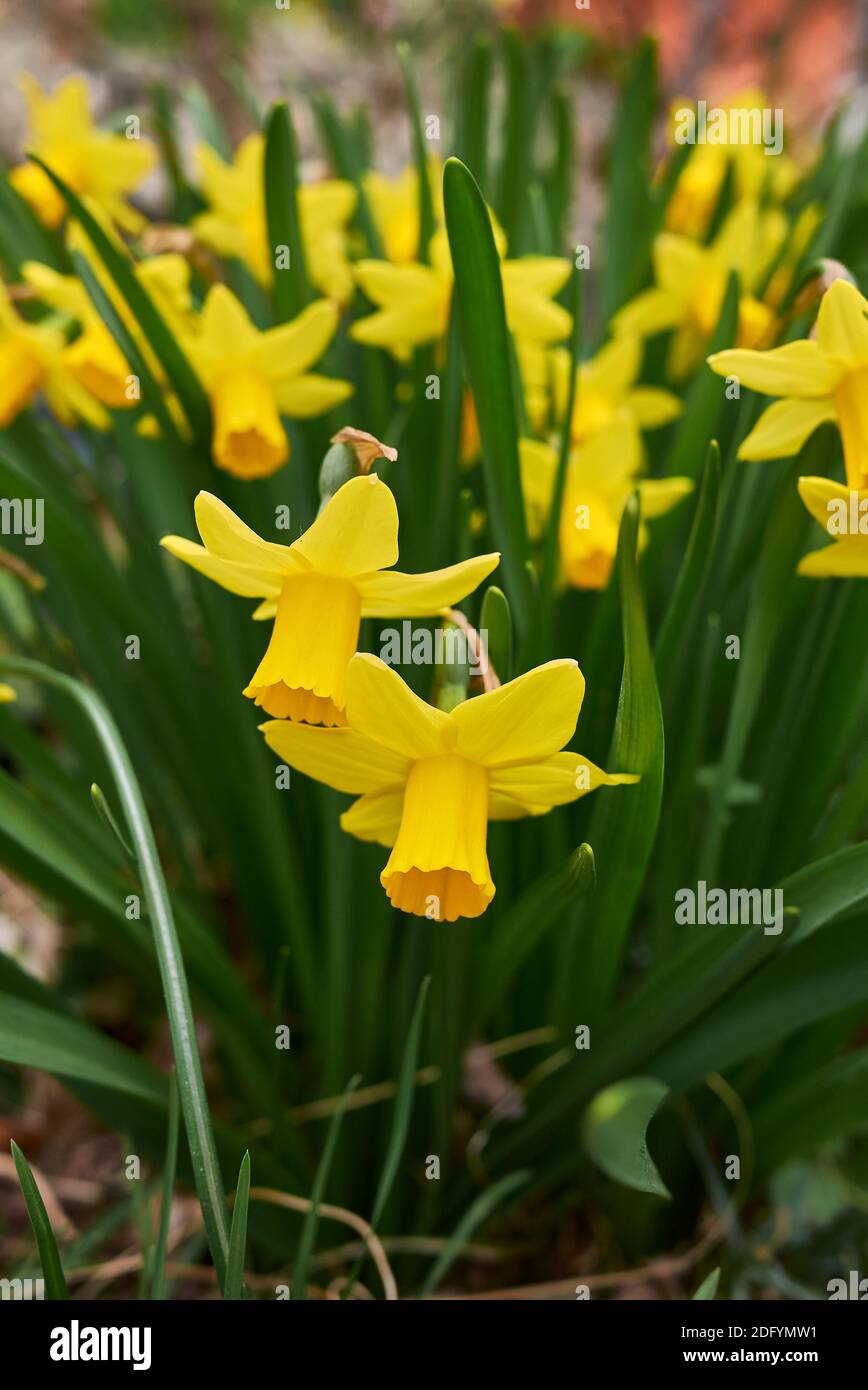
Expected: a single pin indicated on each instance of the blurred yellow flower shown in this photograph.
(755, 174)
(254, 377)
(7, 694)
(319, 588)
(93, 163)
(819, 379)
(691, 283)
(394, 205)
(843, 514)
(235, 223)
(429, 782)
(34, 358)
(601, 474)
(413, 301)
(606, 389)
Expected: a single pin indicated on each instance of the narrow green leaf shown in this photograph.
(708, 1288)
(487, 350)
(614, 1130)
(280, 170)
(185, 383)
(311, 1220)
(234, 1285)
(526, 922)
(106, 814)
(687, 594)
(420, 151)
(495, 623)
(197, 1117)
(471, 121)
(478, 1212)
(403, 1105)
(49, 1256)
(551, 545)
(170, 1165)
(624, 822)
(629, 219)
(519, 111)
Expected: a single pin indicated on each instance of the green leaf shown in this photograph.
(614, 1132)
(403, 1106)
(34, 1036)
(107, 816)
(471, 105)
(487, 353)
(629, 219)
(624, 822)
(49, 1256)
(234, 1285)
(427, 220)
(551, 544)
(708, 1288)
(813, 1110)
(520, 110)
(495, 625)
(311, 1220)
(292, 289)
(184, 381)
(194, 1102)
(170, 1164)
(478, 1212)
(526, 922)
(687, 594)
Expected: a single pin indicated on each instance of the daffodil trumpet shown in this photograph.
(318, 589)
(428, 781)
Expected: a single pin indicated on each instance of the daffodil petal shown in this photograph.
(341, 758)
(227, 537)
(796, 369)
(555, 781)
(783, 428)
(652, 311)
(524, 721)
(653, 407)
(289, 349)
(659, 495)
(355, 533)
(817, 493)
(842, 325)
(383, 708)
(376, 816)
(844, 560)
(225, 320)
(307, 396)
(238, 579)
(390, 594)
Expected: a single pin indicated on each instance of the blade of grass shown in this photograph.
(478, 1212)
(49, 1255)
(234, 1285)
(311, 1220)
(420, 153)
(170, 1164)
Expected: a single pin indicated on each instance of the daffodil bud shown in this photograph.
(339, 465)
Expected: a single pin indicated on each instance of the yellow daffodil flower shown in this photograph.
(319, 588)
(818, 379)
(235, 223)
(34, 359)
(8, 694)
(700, 183)
(394, 205)
(843, 514)
(254, 377)
(606, 388)
(94, 164)
(413, 301)
(601, 475)
(428, 782)
(691, 283)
